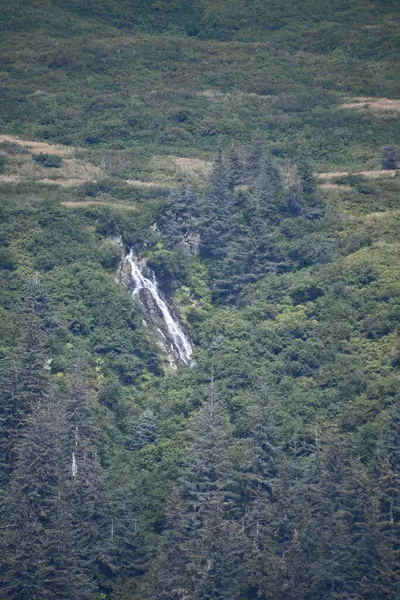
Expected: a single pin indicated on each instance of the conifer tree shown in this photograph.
(261, 519)
(54, 513)
(389, 500)
(86, 493)
(306, 175)
(296, 520)
(142, 431)
(8, 384)
(217, 222)
(130, 548)
(34, 352)
(266, 191)
(389, 158)
(180, 216)
(254, 160)
(42, 539)
(207, 549)
(171, 576)
(24, 372)
(294, 194)
(347, 556)
(235, 166)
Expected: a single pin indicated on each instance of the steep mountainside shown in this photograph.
(245, 150)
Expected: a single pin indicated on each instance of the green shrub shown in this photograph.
(3, 162)
(12, 148)
(172, 135)
(210, 126)
(179, 115)
(389, 158)
(48, 160)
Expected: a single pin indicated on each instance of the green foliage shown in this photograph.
(48, 160)
(290, 295)
(389, 158)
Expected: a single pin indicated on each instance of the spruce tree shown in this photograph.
(389, 500)
(266, 191)
(8, 384)
(179, 218)
(54, 513)
(294, 193)
(297, 527)
(141, 431)
(261, 486)
(42, 539)
(254, 160)
(206, 556)
(347, 547)
(218, 214)
(306, 176)
(235, 166)
(86, 493)
(24, 371)
(389, 158)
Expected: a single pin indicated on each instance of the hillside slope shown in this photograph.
(247, 151)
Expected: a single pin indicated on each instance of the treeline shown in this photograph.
(251, 514)
(65, 533)
(261, 483)
(238, 224)
(277, 522)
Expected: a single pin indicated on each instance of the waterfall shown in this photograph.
(143, 283)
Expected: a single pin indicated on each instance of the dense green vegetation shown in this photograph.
(270, 467)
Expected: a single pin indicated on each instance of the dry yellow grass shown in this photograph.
(373, 104)
(61, 182)
(374, 174)
(22, 169)
(141, 184)
(83, 203)
(38, 147)
(382, 215)
(10, 179)
(174, 167)
(335, 186)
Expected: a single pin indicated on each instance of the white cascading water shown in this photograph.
(179, 341)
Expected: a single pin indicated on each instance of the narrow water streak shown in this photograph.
(173, 331)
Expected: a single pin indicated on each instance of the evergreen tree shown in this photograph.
(42, 540)
(206, 558)
(142, 431)
(389, 158)
(252, 253)
(261, 473)
(130, 549)
(24, 372)
(306, 176)
(235, 166)
(54, 514)
(87, 494)
(254, 160)
(8, 384)
(297, 528)
(389, 500)
(266, 191)
(347, 556)
(218, 215)
(34, 352)
(171, 577)
(179, 218)
(294, 193)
